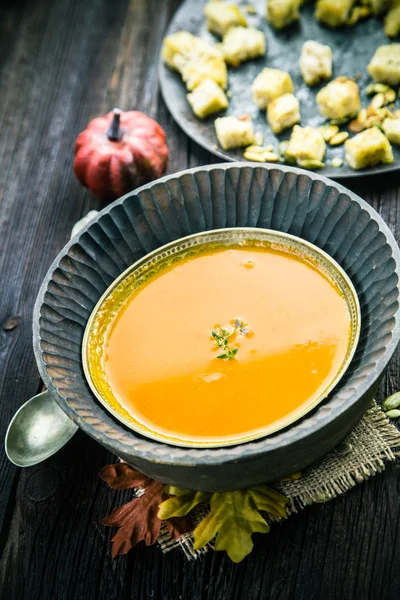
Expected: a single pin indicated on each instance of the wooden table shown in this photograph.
(63, 62)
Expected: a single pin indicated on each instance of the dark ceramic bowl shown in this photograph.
(228, 195)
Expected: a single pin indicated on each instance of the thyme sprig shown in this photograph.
(221, 337)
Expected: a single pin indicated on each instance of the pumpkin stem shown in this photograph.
(114, 133)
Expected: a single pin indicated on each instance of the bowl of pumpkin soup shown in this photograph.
(222, 337)
(204, 327)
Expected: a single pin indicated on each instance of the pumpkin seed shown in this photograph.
(337, 162)
(371, 111)
(393, 414)
(376, 88)
(358, 13)
(255, 148)
(270, 157)
(283, 146)
(329, 131)
(390, 96)
(254, 156)
(362, 115)
(356, 126)
(382, 113)
(250, 9)
(263, 153)
(339, 121)
(373, 122)
(391, 402)
(378, 100)
(343, 448)
(259, 138)
(310, 164)
(339, 138)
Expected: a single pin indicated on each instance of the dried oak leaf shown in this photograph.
(137, 520)
(121, 476)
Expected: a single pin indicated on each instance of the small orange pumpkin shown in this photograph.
(119, 152)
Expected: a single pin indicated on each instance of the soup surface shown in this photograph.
(161, 362)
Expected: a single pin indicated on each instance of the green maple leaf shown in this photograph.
(233, 517)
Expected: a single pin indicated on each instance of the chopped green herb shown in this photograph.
(221, 337)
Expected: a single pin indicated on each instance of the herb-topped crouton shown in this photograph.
(333, 12)
(385, 64)
(306, 144)
(270, 84)
(339, 99)
(241, 44)
(180, 44)
(391, 128)
(283, 112)
(315, 62)
(233, 132)
(281, 13)
(207, 98)
(205, 66)
(368, 148)
(222, 16)
(195, 59)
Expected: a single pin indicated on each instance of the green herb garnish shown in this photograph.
(221, 337)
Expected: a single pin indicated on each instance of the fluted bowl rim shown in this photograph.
(148, 450)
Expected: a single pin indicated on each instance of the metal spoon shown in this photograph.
(38, 430)
(40, 427)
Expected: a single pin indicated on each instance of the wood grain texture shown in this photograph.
(61, 63)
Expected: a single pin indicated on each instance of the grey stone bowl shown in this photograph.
(225, 195)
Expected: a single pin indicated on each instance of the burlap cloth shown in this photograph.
(362, 454)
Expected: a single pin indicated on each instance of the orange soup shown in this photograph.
(226, 344)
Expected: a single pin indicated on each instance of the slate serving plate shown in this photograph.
(218, 196)
(352, 50)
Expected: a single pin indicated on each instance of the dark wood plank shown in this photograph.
(55, 79)
(62, 63)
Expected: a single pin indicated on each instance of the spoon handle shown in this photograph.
(40, 427)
